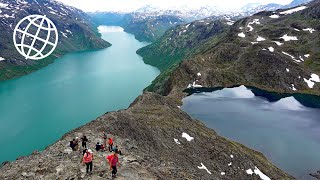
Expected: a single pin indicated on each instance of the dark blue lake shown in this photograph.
(285, 131)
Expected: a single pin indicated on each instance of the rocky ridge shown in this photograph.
(159, 141)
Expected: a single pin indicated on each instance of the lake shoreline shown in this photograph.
(308, 100)
(76, 88)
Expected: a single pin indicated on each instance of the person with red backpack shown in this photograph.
(87, 159)
(113, 160)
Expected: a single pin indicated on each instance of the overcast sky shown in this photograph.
(129, 5)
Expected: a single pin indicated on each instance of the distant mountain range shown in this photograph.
(251, 9)
(149, 23)
(76, 32)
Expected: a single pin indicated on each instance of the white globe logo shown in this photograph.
(35, 37)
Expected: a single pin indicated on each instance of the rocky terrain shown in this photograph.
(159, 141)
(76, 32)
(276, 51)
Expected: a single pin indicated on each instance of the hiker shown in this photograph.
(87, 159)
(99, 147)
(115, 149)
(74, 145)
(84, 140)
(84, 151)
(104, 136)
(114, 161)
(110, 142)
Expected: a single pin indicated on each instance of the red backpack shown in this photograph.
(114, 160)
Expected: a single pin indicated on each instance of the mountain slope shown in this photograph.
(181, 42)
(146, 134)
(76, 33)
(273, 51)
(152, 27)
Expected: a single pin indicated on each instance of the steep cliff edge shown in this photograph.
(145, 132)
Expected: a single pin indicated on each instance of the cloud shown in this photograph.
(130, 5)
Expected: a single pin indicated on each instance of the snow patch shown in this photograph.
(309, 82)
(230, 164)
(278, 43)
(293, 88)
(185, 135)
(68, 31)
(260, 39)
(187, 26)
(315, 78)
(198, 74)
(274, 16)
(223, 173)
(204, 167)
(176, 140)
(261, 175)
(290, 11)
(287, 70)
(194, 85)
(3, 5)
(241, 35)
(249, 171)
(311, 30)
(271, 49)
(255, 21)
(254, 42)
(306, 55)
(289, 38)
(231, 156)
(2, 59)
(230, 23)
(292, 57)
(296, 29)
(64, 34)
(257, 172)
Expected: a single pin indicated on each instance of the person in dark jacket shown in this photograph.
(84, 140)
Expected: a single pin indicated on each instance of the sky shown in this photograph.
(131, 5)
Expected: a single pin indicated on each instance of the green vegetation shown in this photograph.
(225, 59)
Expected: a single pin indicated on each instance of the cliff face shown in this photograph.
(145, 132)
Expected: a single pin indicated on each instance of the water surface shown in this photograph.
(285, 131)
(37, 109)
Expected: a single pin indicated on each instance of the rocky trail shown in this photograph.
(158, 140)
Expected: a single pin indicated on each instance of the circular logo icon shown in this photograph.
(35, 37)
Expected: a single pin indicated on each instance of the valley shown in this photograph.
(188, 52)
(70, 92)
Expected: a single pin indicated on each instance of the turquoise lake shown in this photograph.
(37, 109)
(285, 131)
